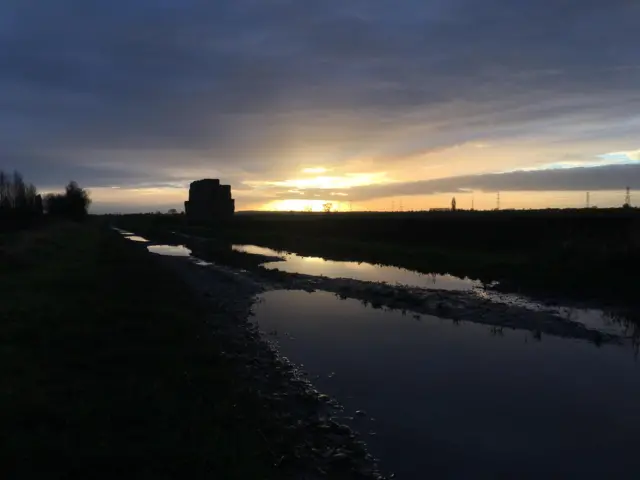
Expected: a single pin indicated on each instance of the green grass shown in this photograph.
(107, 368)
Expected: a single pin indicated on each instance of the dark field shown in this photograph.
(108, 361)
(108, 368)
(583, 255)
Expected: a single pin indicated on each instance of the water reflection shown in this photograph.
(621, 323)
(592, 318)
(256, 250)
(171, 250)
(293, 263)
(465, 401)
(123, 232)
(136, 238)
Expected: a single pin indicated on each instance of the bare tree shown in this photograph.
(4, 191)
(19, 201)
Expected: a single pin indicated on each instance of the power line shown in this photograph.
(498, 201)
(588, 200)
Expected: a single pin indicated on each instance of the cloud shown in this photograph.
(603, 178)
(155, 93)
(610, 177)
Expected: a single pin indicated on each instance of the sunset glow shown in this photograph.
(376, 103)
(294, 205)
(314, 170)
(345, 181)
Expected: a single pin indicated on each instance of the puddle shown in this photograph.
(256, 250)
(136, 238)
(464, 400)
(123, 232)
(201, 263)
(171, 250)
(591, 318)
(294, 263)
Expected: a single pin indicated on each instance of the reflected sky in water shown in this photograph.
(293, 263)
(136, 238)
(256, 250)
(463, 400)
(171, 250)
(592, 318)
(123, 232)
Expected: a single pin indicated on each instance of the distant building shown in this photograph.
(209, 201)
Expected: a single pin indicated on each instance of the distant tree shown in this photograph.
(19, 192)
(327, 207)
(453, 204)
(172, 211)
(5, 194)
(78, 200)
(73, 203)
(308, 209)
(19, 201)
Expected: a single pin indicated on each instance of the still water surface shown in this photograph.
(591, 318)
(458, 401)
(136, 238)
(171, 250)
(293, 263)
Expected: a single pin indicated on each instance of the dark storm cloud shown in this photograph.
(232, 84)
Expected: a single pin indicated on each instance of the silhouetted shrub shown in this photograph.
(73, 204)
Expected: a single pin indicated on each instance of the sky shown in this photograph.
(367, 104)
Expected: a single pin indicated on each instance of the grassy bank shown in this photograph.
(107, 368)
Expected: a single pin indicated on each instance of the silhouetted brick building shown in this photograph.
(209, 201)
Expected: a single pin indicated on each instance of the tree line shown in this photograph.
(21, 205)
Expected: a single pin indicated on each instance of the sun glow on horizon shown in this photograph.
(325, 182)
(302, 205)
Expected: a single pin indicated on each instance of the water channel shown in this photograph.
(294, 263)
(460, 400)
(443, 399)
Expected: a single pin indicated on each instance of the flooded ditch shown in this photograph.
(455, 399)
(293, 263)
(446, 378)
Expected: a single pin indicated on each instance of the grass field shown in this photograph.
(107, 370)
